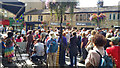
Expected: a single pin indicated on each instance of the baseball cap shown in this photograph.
(115, 40)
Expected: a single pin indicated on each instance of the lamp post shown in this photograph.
(61, 40)
(98, 6)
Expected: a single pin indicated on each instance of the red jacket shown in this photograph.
(114, 51)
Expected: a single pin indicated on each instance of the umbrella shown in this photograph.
(13, 6)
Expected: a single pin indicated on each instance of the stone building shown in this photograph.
(80, 18)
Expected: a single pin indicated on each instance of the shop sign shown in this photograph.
(16, 24)
(84, 24)
(57, 24)
(54, 24)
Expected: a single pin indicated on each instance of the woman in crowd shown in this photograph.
(89, 45)
(93, 57)
(83, 44)
(9, 49)
(19, 39)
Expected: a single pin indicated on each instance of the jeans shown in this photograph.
(84, 53)
(73, 59)
(79, 49)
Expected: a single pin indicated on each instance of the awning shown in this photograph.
(4, 22)
(15, 7)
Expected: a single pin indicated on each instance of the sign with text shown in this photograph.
(57, 24)
(85, 24)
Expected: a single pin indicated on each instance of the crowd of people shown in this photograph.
(88, 44)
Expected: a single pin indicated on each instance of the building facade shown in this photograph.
(80, 18)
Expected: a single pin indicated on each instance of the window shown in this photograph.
(110, 16)
(28, 18)
(76, 17)
(113, 16)
(41, 18)
(88, 16)
(84, 17)
(38, 18)
(118, 16)
(65, 18)
(80, 17)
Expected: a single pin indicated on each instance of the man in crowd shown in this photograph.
(38, 51)
(23, 31)
(114, 50)
(52, 47)
(29, 41)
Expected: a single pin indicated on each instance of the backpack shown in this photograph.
(105, 61)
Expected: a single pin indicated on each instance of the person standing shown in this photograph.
(83, 44)
(52, 47)
(73, 49)
(29, 41)
(23, 31)
(93, 58)
(89, 45)
(68, 41)
(62, 49)
(9, 49)
(114, 50)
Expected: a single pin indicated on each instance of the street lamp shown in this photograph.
(98, 6)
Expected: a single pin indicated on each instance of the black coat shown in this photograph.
(73, 46)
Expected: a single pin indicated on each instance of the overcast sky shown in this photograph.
(92, 3)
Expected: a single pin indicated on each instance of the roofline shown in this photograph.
(75, 12)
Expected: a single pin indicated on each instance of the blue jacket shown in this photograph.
(52, 48)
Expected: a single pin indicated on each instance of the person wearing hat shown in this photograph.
(52, 47)
(114, 50)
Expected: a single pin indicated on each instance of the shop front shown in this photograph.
(17, 27)
(4, 22)
(57, 25)
(33, 25)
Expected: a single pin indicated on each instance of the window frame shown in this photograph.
(77, 17)
(114, 16)
(39, 18)
(81, 17)
(28, 18)
(118, 16)
(110, 16)
(65, 17)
